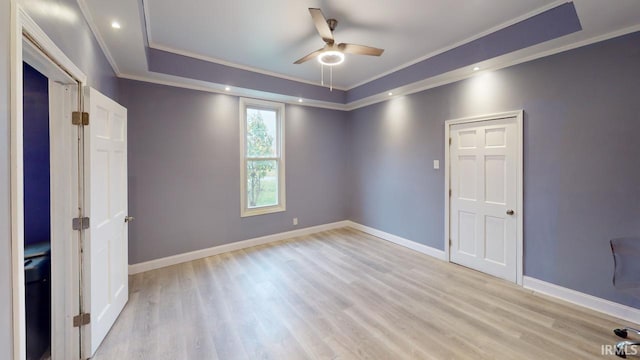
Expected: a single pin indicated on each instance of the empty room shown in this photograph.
(286, 179)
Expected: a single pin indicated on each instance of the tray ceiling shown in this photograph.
(268, 36)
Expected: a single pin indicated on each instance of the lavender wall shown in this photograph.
(6, 336)
(394, 187)
(581, 163)
(184, 170)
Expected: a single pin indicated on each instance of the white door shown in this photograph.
(105, 290)
(484, 194)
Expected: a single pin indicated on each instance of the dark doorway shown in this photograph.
(37, 213)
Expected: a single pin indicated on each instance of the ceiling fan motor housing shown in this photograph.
(332, 24)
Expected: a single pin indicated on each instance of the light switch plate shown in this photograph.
(436, 164)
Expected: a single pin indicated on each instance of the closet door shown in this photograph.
(484, 189)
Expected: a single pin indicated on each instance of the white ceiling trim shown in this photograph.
(395, 69)
(147, 21)
(465, 41)
(96, 33)
(418, 86)
(503, 61)
(234, 65)
(154, 45)
(494, 64)
(180, 82)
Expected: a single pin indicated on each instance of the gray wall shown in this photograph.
(581, 159)
(77, 41)
(184, 170)
(6, 337)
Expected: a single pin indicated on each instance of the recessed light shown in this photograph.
(226, 88)
(115, 25)
(390, 93)
(300, 100)
(476, 68)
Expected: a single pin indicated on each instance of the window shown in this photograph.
(261, 157)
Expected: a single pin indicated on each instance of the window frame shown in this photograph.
(279, 108)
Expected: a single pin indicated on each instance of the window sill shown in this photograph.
(262, 210)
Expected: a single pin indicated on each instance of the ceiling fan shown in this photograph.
(332, 53)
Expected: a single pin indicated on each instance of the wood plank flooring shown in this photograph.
(344, 294)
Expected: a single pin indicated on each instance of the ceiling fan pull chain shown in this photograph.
(322, 75)
(331, 78)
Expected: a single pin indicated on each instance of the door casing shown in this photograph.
(24, 31)
(519, 117)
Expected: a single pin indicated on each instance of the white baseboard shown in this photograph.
(620, 311)
(199, 254)
(438, 254)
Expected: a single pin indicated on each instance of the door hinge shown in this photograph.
(450, 242)
(449, 141)
(81, 319)
(449, 192)
(80, 118)
(80, 223)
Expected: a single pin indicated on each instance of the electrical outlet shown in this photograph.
(295, 221)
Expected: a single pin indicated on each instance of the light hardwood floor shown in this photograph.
(344, 294)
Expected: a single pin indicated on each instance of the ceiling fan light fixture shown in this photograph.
(331, 58)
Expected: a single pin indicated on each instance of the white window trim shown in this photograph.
(245, 211)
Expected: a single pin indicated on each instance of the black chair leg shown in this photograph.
(624, 332)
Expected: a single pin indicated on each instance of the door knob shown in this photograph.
(129, 219)
(510, 212)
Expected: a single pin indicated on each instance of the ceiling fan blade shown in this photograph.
(360, 49)
(309, 57)
(321, 25)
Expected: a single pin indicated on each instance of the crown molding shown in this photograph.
(465, 72)
(408, 89)
(504, 25)
(157, 46)
(86, 13)
(147, 21)
(193, 55)
(411, 88)
(184, 83)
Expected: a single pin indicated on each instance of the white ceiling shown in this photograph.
(268, 36)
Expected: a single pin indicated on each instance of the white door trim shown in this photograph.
(518, 115)
(21, 23)
(64, 199)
